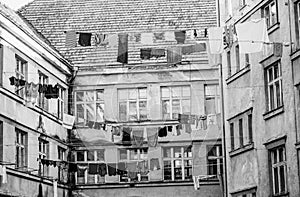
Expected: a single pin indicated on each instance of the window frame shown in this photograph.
(272, 97)
(218, 159)
(43, 153)
(229, 66)
(42, 100)
(237, 58)
(297, 20)
(268, 16)
(215, 96)
(138, 100)
(61, 102)
(84, 102)
(61, 156)
(21, 148)
(182, 160)
(21, 73)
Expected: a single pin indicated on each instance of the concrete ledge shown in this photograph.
(241, 150)
(273, 113)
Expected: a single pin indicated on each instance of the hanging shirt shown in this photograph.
(215, 39)
(101, 39)
(147, 38)
(170, 36)
(152, 137)
(123, 49)
(112, 169)
(113, 40)
(138, 137)
(180, 36)
(174, 55)
(71, 39)
(252, 35)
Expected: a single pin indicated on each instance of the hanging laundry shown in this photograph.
(55, 92)
(132, 169)
(188, 128)
(31, 93)
(196, 182)
(174, 55)
(192, 119)
(190, 35)
(277, 49)
(199, 47)
(90, 124)
(93, 168)
(71, 39)
(169, 128)
(162, 132)
(112, 40)
(154, 164)
(102, 169)
(121, 170)
(143, 167)
(101, 39)
(152, 137)
(178, 128)
(137, 37)
(159, 36)
(158, 53)
(183, 118)
(112, 169)
(13, 81)
(138, 137)
(203, 122)
(186, 50)
(195, 33)
(123, 49)
(3, 173)
(97, 125)
(126, 137)
(174, 130)
(170, 36)
(147, 38)
(229, 35)
(85, 39)
(42, 88)
(116, 131)
(180, 36)
(252, 35)
(215, 39)
(145, 54)
(205, 32)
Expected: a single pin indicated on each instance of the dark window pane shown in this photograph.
(282, 179)
(275, 180)
(80, 156)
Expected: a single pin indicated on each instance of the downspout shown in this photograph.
(225, 187)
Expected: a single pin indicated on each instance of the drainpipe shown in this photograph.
(225, 186)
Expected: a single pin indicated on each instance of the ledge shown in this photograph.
(238, 74)
(273, 113)
(284, 194)
(273, 28)
(241, 150)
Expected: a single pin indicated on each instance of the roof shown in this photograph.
(26, 27)
(52, 18)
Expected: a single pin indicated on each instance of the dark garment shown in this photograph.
(112, 169)
(187, 50)
(116, 131)
(152, 137)
(85, 39)
(162, 132)
(22, 82)
(180, 37)
(90, 124)
(174, 55)
(183, 118)
(102, 169)
(158, 53)
(121, 168)
(123, 49)
(195, 33)
(97, 125)
(93, 168)
(169, 128)
(138, 137)
(154, 164)
(48, 93)
(126, 138)
(199, 47)
(143, 167)
(73, 167)
(145, 54)
(205, 32)
(13, 81)
(178, 127)
(40, 194)
(159, 36)
(132, 170)
(188, 128)
(55, 92)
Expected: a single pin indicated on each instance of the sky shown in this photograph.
(15, 4)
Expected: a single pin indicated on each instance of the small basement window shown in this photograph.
(85, 39)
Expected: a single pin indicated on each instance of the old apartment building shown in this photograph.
(262, 98)
(31, 126)
(136, 77)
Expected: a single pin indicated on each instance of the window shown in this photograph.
(247, 59)
(90, 106)
(229, 63)
(43, 154)
(137, 157)
(60, 103)
(237, 57)
(274, 86)
(21, 149)
(132, 104)
(297, 20)
(232, 135)
(241, 132)
(42, 101)
(175, 100)
(212, 99)
(62, 173)
(278, 168)
(270, 13)
(214, 160)
(250, 132)
(21, 71)
(177, 163)
(246, 193)
(85, 39)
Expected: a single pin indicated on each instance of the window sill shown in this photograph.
(242, 7)
(273, 28)
(274, 112)
(285, 194)
(238, 74)
(241, 150)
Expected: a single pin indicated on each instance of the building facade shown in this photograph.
(145, 98)
(262, 102)
(31, 125)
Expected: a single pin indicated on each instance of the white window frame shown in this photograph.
(137, 100)
(43, 154)
(60, 102)
(271, 83)
(276, 164)
(215, 96)
(181, 158)
(218, 158)
(42, 100)
(171, 98)
(95, 102)
(270, 19)
(297, 20)
(21, 149)
(61, 156)
(21, 73)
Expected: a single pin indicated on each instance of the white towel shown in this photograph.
(170, 36)
(252, 35)
(215, 39)
(147, 38)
